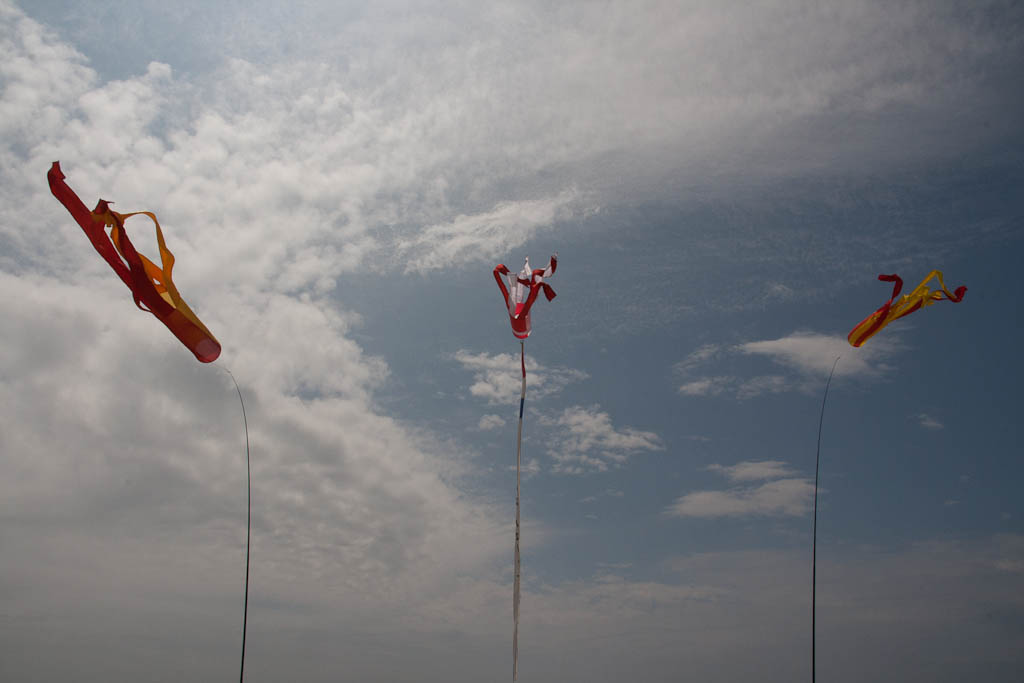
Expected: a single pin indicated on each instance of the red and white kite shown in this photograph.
(522, 291)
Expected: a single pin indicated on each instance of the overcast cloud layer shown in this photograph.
(290, 151)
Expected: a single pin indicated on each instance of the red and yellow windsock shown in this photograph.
(151, 285)
(894, 309)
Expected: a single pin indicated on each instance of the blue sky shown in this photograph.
(337, 180)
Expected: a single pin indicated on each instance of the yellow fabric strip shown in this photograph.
(159, 275)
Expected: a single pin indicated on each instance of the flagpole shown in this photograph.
(515, 581)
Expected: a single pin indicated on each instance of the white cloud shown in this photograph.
(497, 377)
(607, 493)
(707, 386)
(928, 422)
(1009, 553)
(487, 235)
(615, 565)
(777, 290)
(702, 356)
(531, 468)
(808, 355)
(39, 76)
(754, 470)
(528, 469)
(813, 354)
(585, 441)
(765, 384)
(1013, 566)
(488, 422)
(783, 495)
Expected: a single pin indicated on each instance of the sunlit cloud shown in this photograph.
(586, 441)
(807, 357)
(781, 495)
(497, 377)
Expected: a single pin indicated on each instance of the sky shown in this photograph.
(722, 183)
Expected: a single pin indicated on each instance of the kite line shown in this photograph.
(515, 580)
(248, 522)
(814, 541)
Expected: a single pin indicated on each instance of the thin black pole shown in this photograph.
(248, 525)
(516, 574)
(814, 542)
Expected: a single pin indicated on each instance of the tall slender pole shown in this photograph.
(814, 542)
(248, 525)
(515, 580)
